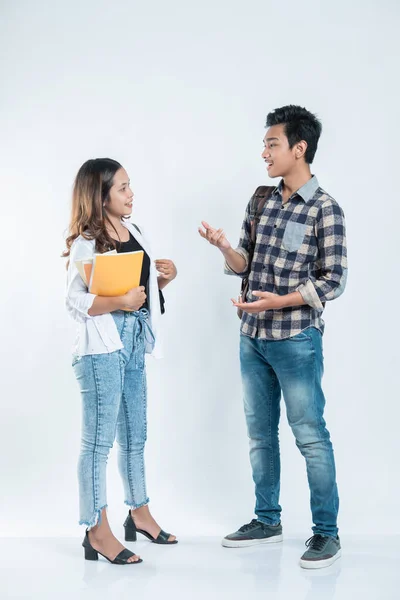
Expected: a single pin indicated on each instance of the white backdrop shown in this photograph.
(178, 92)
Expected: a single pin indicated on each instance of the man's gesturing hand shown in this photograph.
(268, 301)
(216, 237)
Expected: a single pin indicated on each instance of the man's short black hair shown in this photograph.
(300, 124)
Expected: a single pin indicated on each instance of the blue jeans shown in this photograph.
(293, 366)
(114, 403)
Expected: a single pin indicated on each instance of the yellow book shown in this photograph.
(115, 274)
(84, 266)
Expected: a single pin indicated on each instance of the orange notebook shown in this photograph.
(87, 268)
(115, 274)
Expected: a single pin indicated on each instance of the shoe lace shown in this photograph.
(316, 542)
(248, 526)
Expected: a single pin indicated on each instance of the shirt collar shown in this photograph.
(306, 192)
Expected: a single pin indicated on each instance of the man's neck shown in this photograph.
(295, 181)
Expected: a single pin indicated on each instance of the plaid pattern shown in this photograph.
(300, 246)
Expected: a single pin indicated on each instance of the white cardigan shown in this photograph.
(99, 334)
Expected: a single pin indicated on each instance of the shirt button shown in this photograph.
(260, 287)
(275, 226)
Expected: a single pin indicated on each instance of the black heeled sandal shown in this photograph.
(120, 559)
(131, 533)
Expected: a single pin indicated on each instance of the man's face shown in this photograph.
(280, 159)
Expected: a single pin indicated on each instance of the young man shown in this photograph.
(297, 264)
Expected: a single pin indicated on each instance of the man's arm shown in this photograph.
(270, 301)
(236, 260)
(332, 247)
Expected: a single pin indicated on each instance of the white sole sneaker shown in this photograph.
(274, 539)
(320, 564)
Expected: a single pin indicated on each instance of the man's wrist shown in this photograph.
(291, 300)
(283, 301)
(226, 251)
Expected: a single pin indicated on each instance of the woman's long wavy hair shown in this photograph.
(90, 196)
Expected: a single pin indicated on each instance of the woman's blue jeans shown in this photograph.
(114, 403)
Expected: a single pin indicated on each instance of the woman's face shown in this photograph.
(121, 195)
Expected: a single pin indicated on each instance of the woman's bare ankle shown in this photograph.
(141, 514)
(102, 529)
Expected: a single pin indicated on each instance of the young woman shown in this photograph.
(109, 357)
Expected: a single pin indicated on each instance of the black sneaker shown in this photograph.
(253, 533)
(322, 551)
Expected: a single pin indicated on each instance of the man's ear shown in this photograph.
(300, 149)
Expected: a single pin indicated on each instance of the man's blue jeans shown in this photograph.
(293, 366)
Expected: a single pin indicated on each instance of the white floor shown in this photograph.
(51, 568)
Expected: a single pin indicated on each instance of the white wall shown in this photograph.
(178, 92)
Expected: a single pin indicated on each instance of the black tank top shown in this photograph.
(133, 245)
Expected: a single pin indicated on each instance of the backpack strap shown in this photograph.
(262, 194)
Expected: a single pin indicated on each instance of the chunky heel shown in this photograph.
(91, 554)
(131, 532)
(130, 529)
(130, 535)
(121, 559)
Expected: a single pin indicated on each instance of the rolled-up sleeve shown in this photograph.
(78, 300)
(331, 275)
(243, 246)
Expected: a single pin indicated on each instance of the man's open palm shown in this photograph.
(216, 237)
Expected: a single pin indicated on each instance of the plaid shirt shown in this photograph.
(300, 246)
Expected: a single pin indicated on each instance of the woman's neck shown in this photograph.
(116, 225)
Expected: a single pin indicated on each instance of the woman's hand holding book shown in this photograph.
(134, 298)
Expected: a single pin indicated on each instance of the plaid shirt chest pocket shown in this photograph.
(293, 236)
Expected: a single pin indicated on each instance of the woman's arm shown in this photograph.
(78, 299)
(105, 304)
(132, 300)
